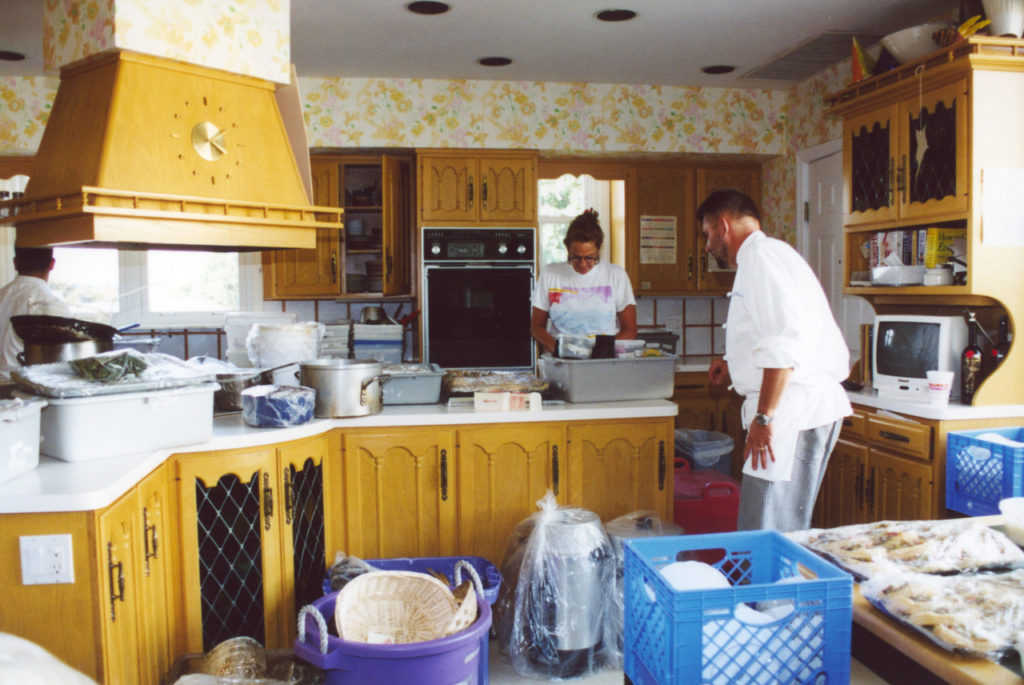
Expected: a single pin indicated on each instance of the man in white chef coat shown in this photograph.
(28, 293)
(787, 357)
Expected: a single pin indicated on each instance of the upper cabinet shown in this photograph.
(937, 144)
(665, 247)
(477, 188)
(372, 256)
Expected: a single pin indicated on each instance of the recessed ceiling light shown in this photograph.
(615, 15)
(494, 61)
(718, 69)
(8, 56)
(428, 7)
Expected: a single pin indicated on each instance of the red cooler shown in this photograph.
(706, 501)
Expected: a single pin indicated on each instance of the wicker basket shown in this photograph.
(394, 607)
(465, 614)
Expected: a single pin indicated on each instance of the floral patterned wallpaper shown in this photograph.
(556, 117)
(251, 37)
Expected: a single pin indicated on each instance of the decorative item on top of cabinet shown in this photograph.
(245, 539)
(478, 188)
(372, 257)
(619, 467)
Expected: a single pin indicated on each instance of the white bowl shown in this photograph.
(1012, 509)
(1007, 17)
(912, 43)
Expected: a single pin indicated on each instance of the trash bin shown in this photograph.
(704, 449)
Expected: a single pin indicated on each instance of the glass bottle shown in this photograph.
(1002, 344)
(970, 363)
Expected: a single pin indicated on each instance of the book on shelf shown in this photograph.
(943, 243)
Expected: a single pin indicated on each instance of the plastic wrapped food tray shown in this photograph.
(85, 428)
(610, 380)
(413, 384)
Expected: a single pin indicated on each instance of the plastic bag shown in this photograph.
(345, 568)
(160, 372)
(555, 614)
(108, 367)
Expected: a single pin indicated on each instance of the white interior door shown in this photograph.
(823, 193)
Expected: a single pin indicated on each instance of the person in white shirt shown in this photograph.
(583, 295)
(787, 357)
(28, 293)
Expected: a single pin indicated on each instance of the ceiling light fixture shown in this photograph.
(495, 61)
(615, 15)
(8, 56)
(716, 69)
(428, 7)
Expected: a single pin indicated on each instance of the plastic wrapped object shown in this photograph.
(109, 367)
(344, 569)
(270, 344)
(277, 406)
(644, 523)
(161, 372)
(555, 610)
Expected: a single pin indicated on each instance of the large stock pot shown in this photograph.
(344, 387)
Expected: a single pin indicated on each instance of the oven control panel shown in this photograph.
(478, 244)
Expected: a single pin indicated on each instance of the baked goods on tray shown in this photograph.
(468, 381)
(979, 614)
(948, 546)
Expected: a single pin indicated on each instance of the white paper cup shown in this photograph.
(939, 385)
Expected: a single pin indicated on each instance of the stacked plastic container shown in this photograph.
(381, 341)
(335, 342)
(236, 329)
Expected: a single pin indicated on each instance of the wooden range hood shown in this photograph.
(145, 152)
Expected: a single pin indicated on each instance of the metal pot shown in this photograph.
(344, 387)
(47, 352)
(229, 397)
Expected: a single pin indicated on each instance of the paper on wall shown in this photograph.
(658, 238)
(1001, 221)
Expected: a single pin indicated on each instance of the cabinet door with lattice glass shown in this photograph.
(231, 551)
(869, 166)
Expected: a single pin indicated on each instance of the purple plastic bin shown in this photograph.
(460, 658)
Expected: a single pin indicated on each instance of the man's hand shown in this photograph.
(758, 448)
(718, 372)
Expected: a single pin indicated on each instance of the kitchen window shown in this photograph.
(562, 199)
(157, 288)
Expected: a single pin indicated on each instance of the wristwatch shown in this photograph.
(762, 419)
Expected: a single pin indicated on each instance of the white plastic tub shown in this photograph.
(610, 380)
(19, 439)
(86, 428)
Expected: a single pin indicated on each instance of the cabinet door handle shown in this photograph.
(483, 192)
(847, 423)
(289, 496)
(858, 486)
(117, 594)
(693, 386)
(334, 267)
(388, 265)
(444, 475)
(469, 193)
(892, 181)
(689, 267)
(895, 437)
(902, 179)
(662, 466)
(268, 501)
(703, 262)
(869, 491)
(554, 468)
(149, 538)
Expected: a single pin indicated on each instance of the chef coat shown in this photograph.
(779, 318)
(583, 304)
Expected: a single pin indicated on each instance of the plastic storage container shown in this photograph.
(385, 351)
(665, 339)
(460, 659)
(705, 501)
(704, 449)
(982, 467)
(19, 437)
(85, 428)
(610, 380)
(413, 387)
(236, 329)
(490, 576)
(694, 636)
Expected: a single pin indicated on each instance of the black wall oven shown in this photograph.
(477, 284)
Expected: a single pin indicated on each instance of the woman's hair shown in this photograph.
(584, 229)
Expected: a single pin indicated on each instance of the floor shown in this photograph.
(502, 673)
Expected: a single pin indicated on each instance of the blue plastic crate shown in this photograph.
(979, 473)
(675, 637)
(490, 576)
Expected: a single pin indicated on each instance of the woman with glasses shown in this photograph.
(583, 295)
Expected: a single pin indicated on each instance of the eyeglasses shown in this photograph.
(578, 259)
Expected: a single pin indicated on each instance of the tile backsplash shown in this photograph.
(696, 320)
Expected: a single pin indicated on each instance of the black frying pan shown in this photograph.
(42, 329)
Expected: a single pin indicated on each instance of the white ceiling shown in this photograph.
(549, 40)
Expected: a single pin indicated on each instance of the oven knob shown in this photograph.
(435, 249)
(521, 249)
(502, 248)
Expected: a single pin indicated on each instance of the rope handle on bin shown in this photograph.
(321, 625)
(463, 564)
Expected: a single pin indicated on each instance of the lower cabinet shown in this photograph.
(252, 532)
(618, 467)
(703, 406)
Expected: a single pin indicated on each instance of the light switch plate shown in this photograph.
(46, 559)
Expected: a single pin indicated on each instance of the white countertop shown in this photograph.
(954, 411)
(56, 485)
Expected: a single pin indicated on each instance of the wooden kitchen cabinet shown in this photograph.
(502, 474)
(119, 535)
(478, 188)
(239, 522)
(156, 556)
(619, 467)
(399, 488)
(376, 193)
(746, 179)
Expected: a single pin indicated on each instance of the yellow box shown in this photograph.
(938, 245)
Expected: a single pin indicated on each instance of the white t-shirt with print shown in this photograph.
(583, 304)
